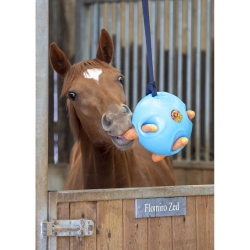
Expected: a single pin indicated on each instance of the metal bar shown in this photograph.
(189, 69)
(82, 31)
(135, 57)
(179, 57)
(127, 54)
(162, 50)
(132, 193)
(95, 30)
(101, 19)
(171, 47)
(198, 84)
(42, 90)
(106, 1)
(110, 19)
(118, 37)
(208, 83)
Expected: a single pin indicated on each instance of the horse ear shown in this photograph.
(106, 48)
(58, 60)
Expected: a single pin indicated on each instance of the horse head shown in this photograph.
(95, 97)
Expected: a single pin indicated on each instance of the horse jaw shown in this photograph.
(121, 142)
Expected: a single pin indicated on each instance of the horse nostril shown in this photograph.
(127, 109)
(106, 123)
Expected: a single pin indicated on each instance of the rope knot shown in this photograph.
(151, 88)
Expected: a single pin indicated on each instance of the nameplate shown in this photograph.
(160, 207)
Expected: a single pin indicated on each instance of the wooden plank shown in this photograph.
(193, 164)
(160, 233)
(135, 230)
(205, 222)
(85, 210)
(180, 175)
(194, 177)
(184, 228)
(208, 176)
(63, 214)
(109, 225)
(132, 193)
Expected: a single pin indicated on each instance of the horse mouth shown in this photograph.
(121, 142)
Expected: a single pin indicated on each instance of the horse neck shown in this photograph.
(104, 166)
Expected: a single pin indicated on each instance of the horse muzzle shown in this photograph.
(116, 123)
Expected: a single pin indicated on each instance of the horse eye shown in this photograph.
(72, 95)
(120, 79)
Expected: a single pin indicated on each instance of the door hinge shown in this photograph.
(78, 228)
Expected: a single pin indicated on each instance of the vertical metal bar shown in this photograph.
(95, 30)
(162, 51)
(101, 20)
(110, 19)
(42, 90)
(208, 83)
(55, 84)
(118, 37)
(189, 68)
(127, 56)
(82, 31)
(135, 57)
(171, 47)
(198, 84)
(179, 57)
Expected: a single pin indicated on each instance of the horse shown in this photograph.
(101, 156)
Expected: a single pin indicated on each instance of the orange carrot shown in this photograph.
(130, 134)
(149, 128)
(182, 141)
(157, 158)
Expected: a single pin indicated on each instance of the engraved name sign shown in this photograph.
(159, 207)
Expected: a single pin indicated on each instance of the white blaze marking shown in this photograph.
(92, 74)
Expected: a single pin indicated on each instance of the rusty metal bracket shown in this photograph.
(78, 228)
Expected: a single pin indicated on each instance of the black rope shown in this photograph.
(151, 87)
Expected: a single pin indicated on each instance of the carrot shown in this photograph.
(182, 141)
(149, 128)
(157, 158)
(130, 134)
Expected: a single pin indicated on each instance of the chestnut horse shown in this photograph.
(101, 156)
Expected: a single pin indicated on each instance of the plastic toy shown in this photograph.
(162, 124)
(160, 119)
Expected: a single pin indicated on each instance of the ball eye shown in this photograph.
(72, 95)
(120, 79)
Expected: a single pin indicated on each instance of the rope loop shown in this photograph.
(151, 88)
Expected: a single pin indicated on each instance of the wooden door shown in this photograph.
(115, 225)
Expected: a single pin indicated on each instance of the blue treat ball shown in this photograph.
(168, 113)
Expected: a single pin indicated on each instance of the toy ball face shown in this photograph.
(168, 113)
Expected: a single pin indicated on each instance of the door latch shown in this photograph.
(78, 228)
